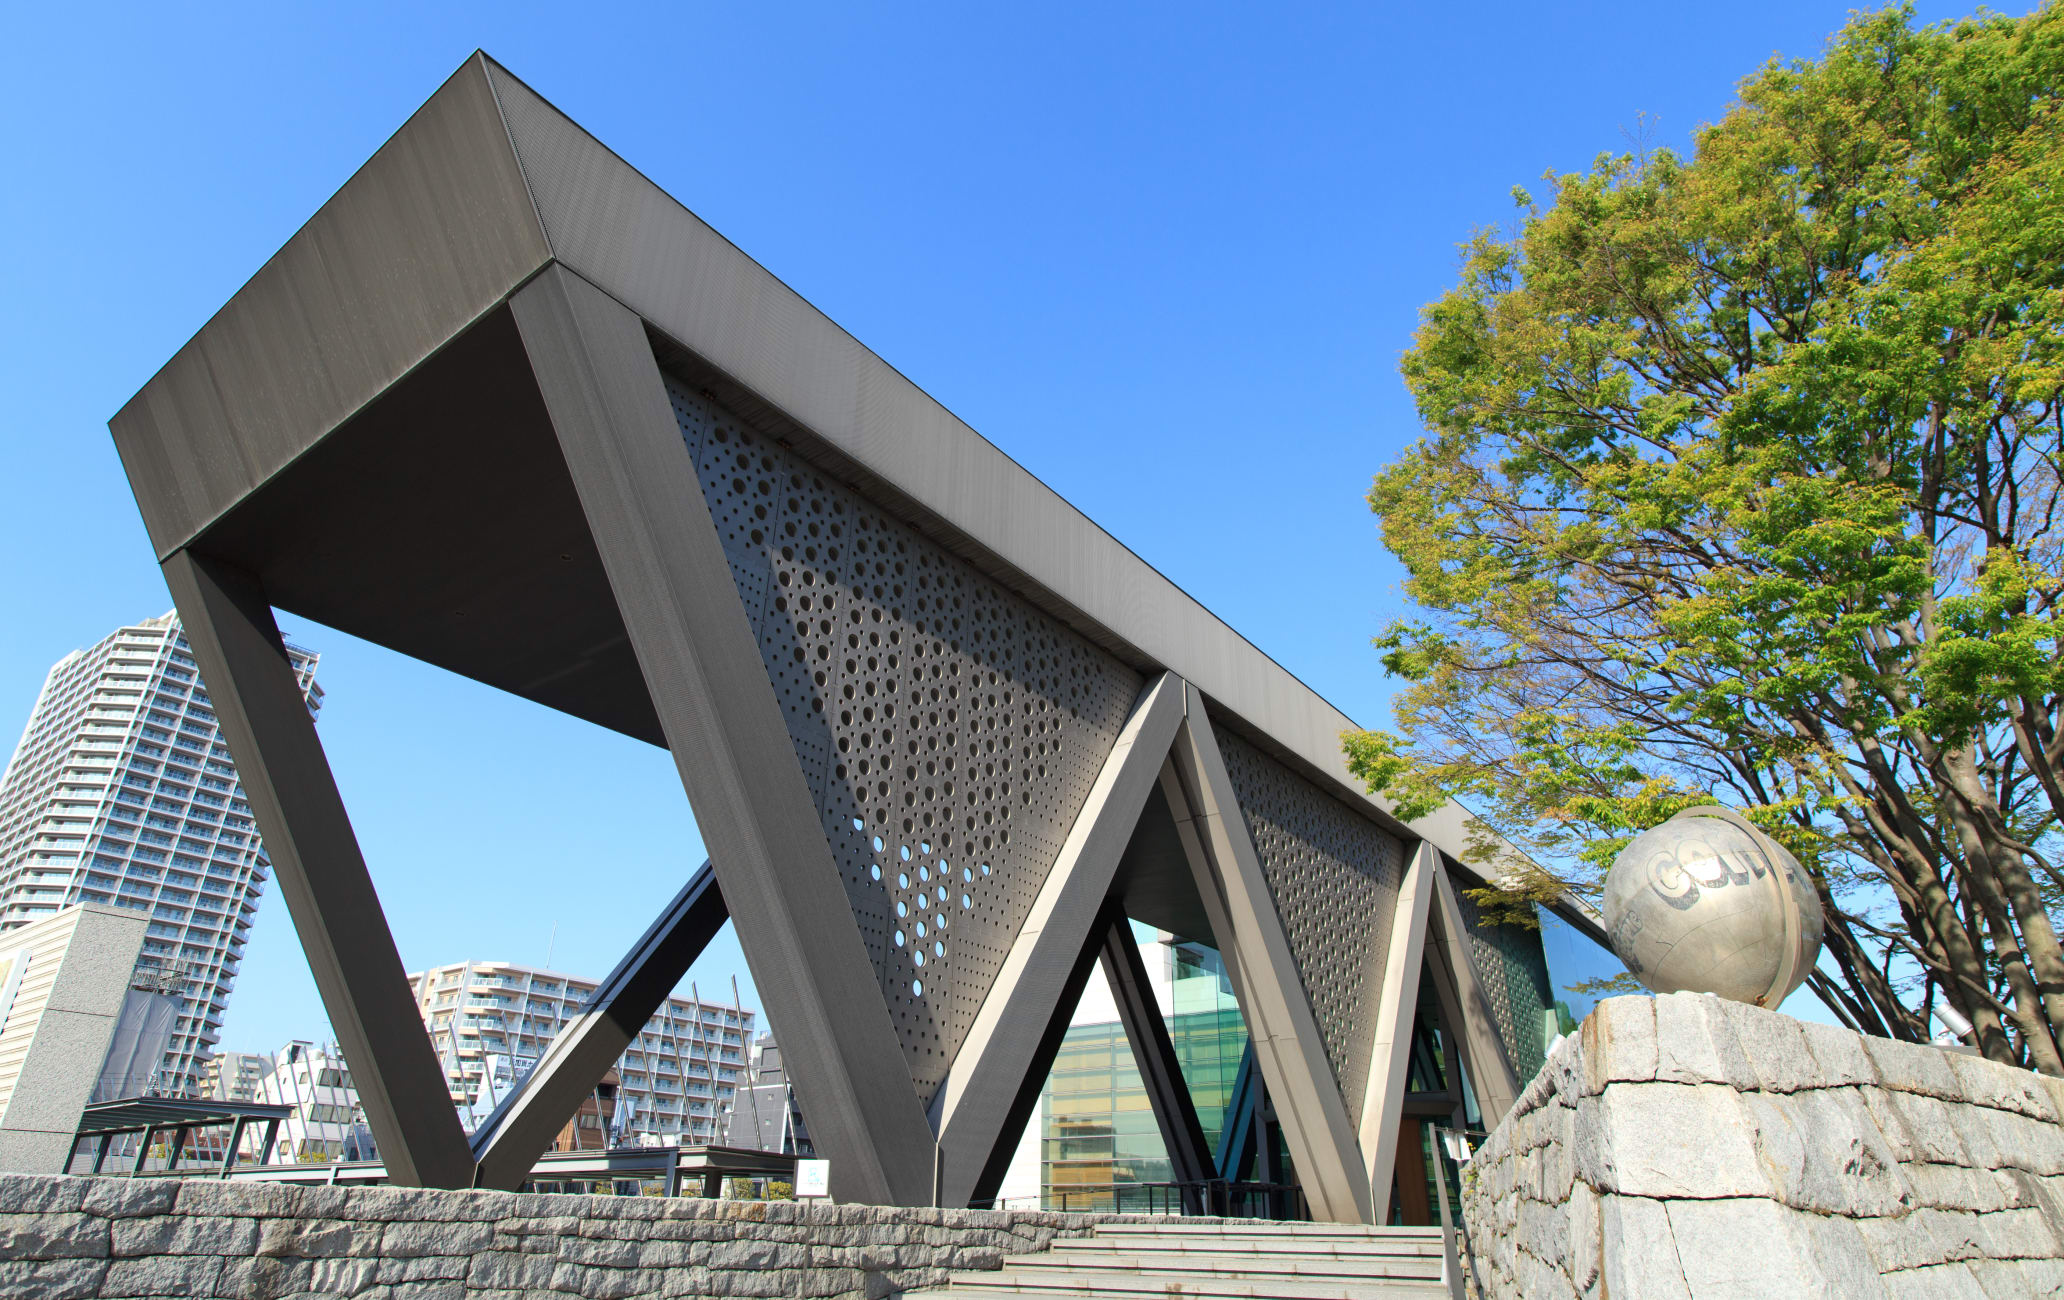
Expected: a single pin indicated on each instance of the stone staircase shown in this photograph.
(1247, 1261)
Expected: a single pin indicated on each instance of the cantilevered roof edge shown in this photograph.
(620, 230)
(431, 233)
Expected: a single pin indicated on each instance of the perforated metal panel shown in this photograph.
(1513, 971)
(1335, 877)
(949, 730)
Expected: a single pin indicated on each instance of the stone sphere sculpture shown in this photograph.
(1706, 903)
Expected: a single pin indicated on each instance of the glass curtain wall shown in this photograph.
(1209, 1035)
(1100, 1148)
(1099, 1140)
(1574, 960)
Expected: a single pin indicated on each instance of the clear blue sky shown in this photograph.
(1164, 255)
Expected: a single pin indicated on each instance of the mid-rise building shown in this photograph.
(327, 1122)
(491, 1021)
(121, 791)
(234, 1076)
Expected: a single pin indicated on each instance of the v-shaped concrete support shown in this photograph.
(1153, 1053)
(343, 929)
(1490, 1069)
(1264, 975)
(989, 1094)
(716, 706)
(322, 875)
(508, 1143)
(1390, 1056)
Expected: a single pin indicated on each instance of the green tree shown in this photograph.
(1740, 481)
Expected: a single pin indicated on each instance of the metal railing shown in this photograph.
(1215, 1197)
(1452, 1226)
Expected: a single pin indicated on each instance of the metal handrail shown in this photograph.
(1214, 1197)
(1451, 1224)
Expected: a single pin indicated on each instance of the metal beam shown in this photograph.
(1010, 1122)
(1497, 1084)
(1264, 974)
(179, 1135)
(723, 724)
(1154, 1052)
(1236, 1137)
(1453, 1027)
(508, 1143)
(1391, 1051)
(236, 1137)
(989, 1092)
(322, 875)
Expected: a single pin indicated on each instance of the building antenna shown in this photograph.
(550, 944)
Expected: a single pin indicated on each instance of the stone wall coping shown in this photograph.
(1687, 1146)
(107, 1237)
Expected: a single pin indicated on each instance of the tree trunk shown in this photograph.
(2002, 885)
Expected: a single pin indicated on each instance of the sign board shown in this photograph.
(812, 1178)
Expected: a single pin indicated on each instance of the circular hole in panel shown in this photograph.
(942, 893)
(905, 850)
(924, 872)
(917, 955)
(877, 844)
(985, 868)
(967, 873)
(859, 825)
(875, 871)
(925, 848)
(899, 938)
(917, 988)
(965, 901)
(920, 929)
(902, 880)
(902, 909)
(939, 948)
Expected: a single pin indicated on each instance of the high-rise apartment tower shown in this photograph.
(122, 791)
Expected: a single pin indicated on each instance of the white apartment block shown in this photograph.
(491, 1021)
(327, 1123)
(234, 1076)
(122, 792)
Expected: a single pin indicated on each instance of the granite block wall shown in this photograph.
(94, 1238)
(1690, 1147)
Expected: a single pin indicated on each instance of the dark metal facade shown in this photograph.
(1515, 978)
(507, 407)
(1335, 878)
(949, 730)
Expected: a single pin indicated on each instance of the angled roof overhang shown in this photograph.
(286, 436)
